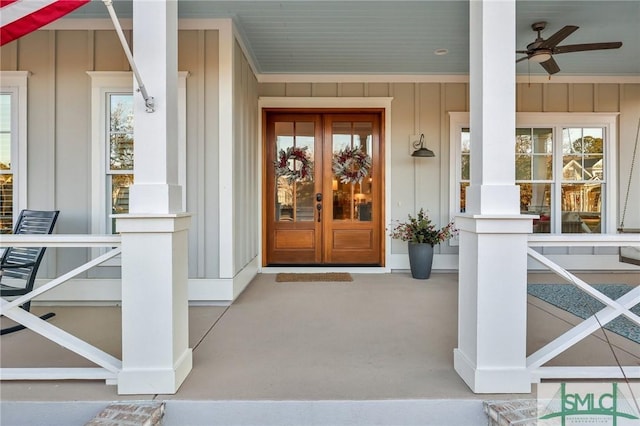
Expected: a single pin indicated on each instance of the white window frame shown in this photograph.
(556, 121)
(102, 84)
(15, 83)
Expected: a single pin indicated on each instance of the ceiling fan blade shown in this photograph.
(522, 59)
(553, 41)
(550, 66)
(587, 46)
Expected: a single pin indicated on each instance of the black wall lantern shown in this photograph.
(420, 150)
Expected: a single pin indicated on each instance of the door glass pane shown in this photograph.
(352, 179)
(294, 171)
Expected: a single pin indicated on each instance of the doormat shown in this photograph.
(568, 298)
(313, 277)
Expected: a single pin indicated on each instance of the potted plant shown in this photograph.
(421, 235)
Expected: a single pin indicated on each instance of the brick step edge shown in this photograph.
(130, 414)
(521, 412)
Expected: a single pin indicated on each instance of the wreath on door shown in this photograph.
(294, 164)
(351, 165)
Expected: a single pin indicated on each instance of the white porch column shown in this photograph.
(491, 352)
(155, 353)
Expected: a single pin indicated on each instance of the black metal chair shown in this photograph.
(19, 265)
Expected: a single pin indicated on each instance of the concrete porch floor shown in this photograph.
(307, 349)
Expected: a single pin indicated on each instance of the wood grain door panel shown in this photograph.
(347, 229)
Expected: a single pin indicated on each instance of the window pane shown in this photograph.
(594, 166)
(5, 131)
(523, 167)
(463, 196)
(120, 195)
(542, 141)
(536, 199)
(5, 112)
(6, 203)
(581, 208)
(120, 132)
(592, 141)
(5, 151)
(121, 151)
(466, 167)
(571, 167)
(523, 141)
(6, 177)
(542, 167)
(571, 140)
(121, 113)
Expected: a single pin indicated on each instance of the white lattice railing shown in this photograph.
(612, 309)
(108, 365)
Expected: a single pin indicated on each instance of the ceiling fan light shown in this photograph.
(539, 57)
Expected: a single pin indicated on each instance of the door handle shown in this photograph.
(319, 197)
(319, 208)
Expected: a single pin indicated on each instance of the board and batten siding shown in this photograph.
(424, 107)
(59, 134)
(246, 162)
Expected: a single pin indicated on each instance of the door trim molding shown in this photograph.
(331, 102)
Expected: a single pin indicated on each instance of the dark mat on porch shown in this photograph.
(313, 277)
(571, 299)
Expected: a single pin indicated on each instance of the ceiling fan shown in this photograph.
(542, 51)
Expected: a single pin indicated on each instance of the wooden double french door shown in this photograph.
(323, 188)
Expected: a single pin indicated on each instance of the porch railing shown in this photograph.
(108, 366)
(612, 309)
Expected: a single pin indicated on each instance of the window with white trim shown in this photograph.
(112, 141)
(13, 147)
(563, 165)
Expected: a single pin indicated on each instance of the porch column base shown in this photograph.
(155, 317)
(491, 380)
(133, 381)
(492, 303)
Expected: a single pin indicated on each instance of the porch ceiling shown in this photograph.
(400, 37)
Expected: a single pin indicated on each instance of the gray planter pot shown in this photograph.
(420, 260)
